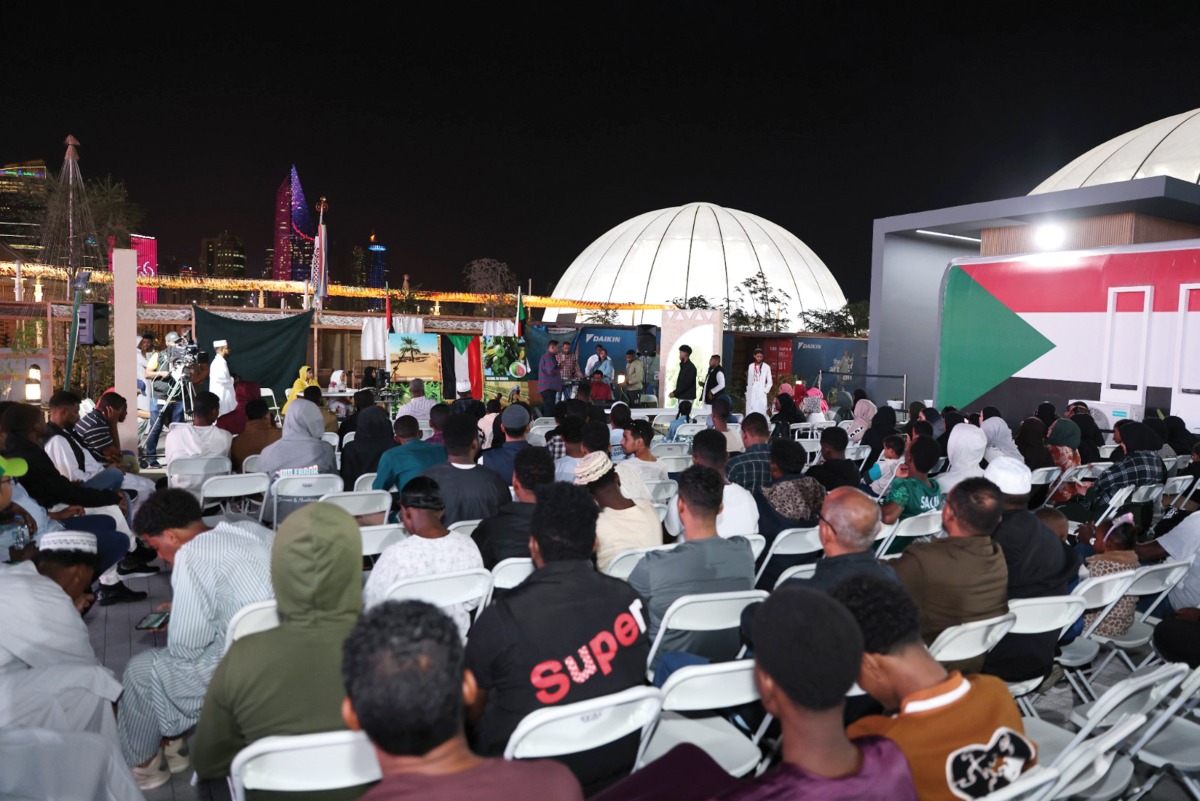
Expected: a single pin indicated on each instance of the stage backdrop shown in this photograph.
(699, 328)
(269, 352)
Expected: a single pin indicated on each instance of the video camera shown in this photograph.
(185, 354)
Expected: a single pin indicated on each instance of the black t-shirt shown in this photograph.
(469, 494)
(566, 634)
(506, 535)
(835, 473)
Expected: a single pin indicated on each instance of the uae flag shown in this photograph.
(462, 357)
(1110, 325)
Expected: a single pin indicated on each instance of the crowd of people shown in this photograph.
(440, 692)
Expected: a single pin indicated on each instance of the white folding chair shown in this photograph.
(509, 573)
(1044, 476)
(377, 539)
(969, 640)
(1068, 476)
(1174, 489)
(715, 611)
(796, 572)
(800, 431)
(701, 688)
(625, 561)
(250, 488)
(250, 463)
(675, 464)
(304, 763)
(1181, 501)
(701, 420)
(197, 467)
(645, 400)
(662, 491)
(358, 504)
(1029, 786)
(269, 394)
(792, 542)
(251, 619)
(1038, 616)
(1154, 580)
(859, 454)
(466, 587)
(846, 424)
(907, 530)
(364, 482)
(661, 449)
(542, 425)
(661, 509)
(465, 526)
(536, 438)
(301, 489)
(1171, 743)
(812, 450)
(939, 466)
(688, 430)
(1098, 593)
(1137, 695)
(1085, 770)
(1107, 451)
(332, 438)
(758, 543)
(575, 728)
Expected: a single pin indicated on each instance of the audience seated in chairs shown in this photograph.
(791, 499)
(834, 470)
(623, 523)
(200, 439)
(514, 422)
(739, 512)
(469, 491)
(363, 399)
(506, 535)
(406, 689)
(313, 395)
(316, 564)
(596, 440)
(524, 647)
(912, 491)
(260, 431)
(300, 446)
(752, 468)
(373, 438)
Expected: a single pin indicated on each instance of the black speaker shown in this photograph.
(93, 324)
(647, 339)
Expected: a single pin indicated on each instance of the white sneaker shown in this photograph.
(153, 775)
(177, 754)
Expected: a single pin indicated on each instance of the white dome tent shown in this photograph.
(696, 249)
(1170, 146)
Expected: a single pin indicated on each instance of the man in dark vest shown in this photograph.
(685, 382)
(714, 381)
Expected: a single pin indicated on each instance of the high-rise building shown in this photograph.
(294, 231)
(376, 270)
(23, 197)
(224, 256)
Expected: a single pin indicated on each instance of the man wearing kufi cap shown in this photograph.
(49, 675)
(465, 402)
(220, 380)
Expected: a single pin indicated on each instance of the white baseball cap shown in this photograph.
(1011, 475)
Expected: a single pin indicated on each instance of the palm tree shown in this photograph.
(409, 347)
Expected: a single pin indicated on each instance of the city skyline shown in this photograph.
(524, 137)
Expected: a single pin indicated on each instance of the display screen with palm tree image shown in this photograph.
(414, 356)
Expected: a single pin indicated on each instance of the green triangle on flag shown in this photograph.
(983, 342)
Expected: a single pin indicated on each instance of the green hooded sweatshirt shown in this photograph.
(289, 680)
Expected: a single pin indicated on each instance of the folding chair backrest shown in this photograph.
(536, 438)
(511, 572)
(845, 424)
(364, 482)
(1045, 476)
(305, 763)
(689, 430)
(377, 539)
(939, 466)
(1119, 499)
(662, 491)
(812, 449)
(1102, 592)
(758, 543)
(675, 464)
(1084, 764)
(1157, 580)
(251, 619)
(1138, 694)
(661, 449)
(661, 510)
(1069, 476)
(625, 561)
(858, 453)
(575, 728)
(332, 438)
(238, 485)
(1176, 485)
(367, 502)
(465, 526)
(716, 611)
(250, 463)
(1029, 786)
(543, 424)
(968, 640)
(792, 542)
(922, 525)
(444, 589)
(1048, 613)
(1147, 493)
(797, 572)
(723, 685)
(199, 466)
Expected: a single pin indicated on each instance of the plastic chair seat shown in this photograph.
(717, 737)
(1078, 653)
(1018, 688)
(1178, 745)
(1051, 740)
(1139, 634)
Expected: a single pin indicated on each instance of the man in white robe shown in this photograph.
(220, 380)
(49, 675)
(216, 572)
(758, 384)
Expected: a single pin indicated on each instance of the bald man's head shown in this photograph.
(854, 517)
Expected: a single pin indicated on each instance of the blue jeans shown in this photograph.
(109, 478)
(174, 413)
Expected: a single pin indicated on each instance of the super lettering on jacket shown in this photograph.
(553, 678)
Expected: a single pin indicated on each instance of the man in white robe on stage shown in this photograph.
(758, 384)
(216, 572)
(220, 380)
(49, 675)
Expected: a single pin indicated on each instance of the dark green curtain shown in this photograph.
(269, 352)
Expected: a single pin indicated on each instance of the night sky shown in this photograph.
(526, 132)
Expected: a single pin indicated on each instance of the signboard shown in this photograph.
(778, 354)
(840, 362)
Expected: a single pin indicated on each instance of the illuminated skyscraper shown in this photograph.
(23, 207)
(294, 231)
(376, 269)
(224, 256)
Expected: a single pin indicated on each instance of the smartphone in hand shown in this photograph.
(154, 620)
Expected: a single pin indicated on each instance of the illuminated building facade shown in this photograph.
(23, 207)
(294, 231)
(376, 270)
(224, 256)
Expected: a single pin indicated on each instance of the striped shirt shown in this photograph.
(95, 432)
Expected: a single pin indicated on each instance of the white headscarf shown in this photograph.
(999, 440)
(964, 449)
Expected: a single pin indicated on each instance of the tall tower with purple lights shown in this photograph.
(376, 269)
(292, 257)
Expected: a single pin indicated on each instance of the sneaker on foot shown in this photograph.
(144, 553)
(152, 464)
(176, 752)
(131, 567)
(153, 775)
(118, 594)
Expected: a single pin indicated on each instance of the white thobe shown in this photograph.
(49, 675)
(63, 457)
(758, 386)
(216, 574)
(220, 383)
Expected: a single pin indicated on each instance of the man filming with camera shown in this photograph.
(161, 376)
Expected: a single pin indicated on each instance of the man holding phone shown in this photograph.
(216, 572)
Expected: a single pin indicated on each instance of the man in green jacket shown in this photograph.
(288, 680)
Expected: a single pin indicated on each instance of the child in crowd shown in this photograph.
(1114, 554)
(1054, 520)
(884, 470)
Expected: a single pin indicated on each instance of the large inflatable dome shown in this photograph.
(697, 249)
(1170, 146)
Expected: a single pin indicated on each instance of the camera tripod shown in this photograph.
(181, 391)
